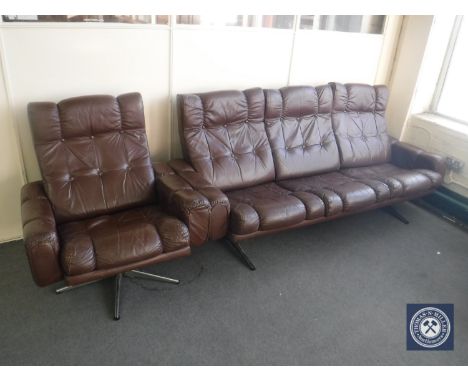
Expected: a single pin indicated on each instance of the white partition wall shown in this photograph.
(321, 56)
(207, 59)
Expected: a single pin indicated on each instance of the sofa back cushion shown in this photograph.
(93, 154)
(223, 136)
(359, 124)
(298, 124)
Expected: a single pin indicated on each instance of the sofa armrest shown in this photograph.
(40, 235)
(411, 157)
(205, 209)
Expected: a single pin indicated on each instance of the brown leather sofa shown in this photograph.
(94, 214)
(263, 161)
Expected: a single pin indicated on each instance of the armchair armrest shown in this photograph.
(411, 157)
(203, 208)
(40, 235)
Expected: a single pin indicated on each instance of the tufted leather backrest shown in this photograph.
(223, 136)
(93, 154)
(298, 124)
(359, 124)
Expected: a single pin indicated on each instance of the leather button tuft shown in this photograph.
(63, 140)
(91, 137)
(121, 131)
(72, 179)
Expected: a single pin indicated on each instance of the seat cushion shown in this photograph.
(264, 207)
(339, 193)
(119, 239)
(400, 182)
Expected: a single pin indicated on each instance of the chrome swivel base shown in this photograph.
(118, 283)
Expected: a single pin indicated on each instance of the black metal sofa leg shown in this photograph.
(392, 211)
(241, 253)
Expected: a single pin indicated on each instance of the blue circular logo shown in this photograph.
(430, 327)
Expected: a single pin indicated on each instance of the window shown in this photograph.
(278, 21)
(448, 99)
(126, 19)
(210, 20)
(344, 23)
(308, 22)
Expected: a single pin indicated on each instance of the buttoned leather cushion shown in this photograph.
(263, 207)
(224, 138)
(119, 239)
(339, 193)
(359, 123)
(93, 154)
(298, 124)
(400, 181)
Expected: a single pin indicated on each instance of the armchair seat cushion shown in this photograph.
(339, 193)
(262, 208)
(123, 238)
(400, 182)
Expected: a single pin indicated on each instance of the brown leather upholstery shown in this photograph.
(359, 124)
(119, 239)
(298, 124)
(40, 235)
(93, 154)
(323, 152)
(94, 213)
(203, 208)
(224, 138)
(394, 180)
(264, 207)
(338, 192)
(411, 157)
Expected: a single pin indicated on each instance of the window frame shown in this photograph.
(434, 105)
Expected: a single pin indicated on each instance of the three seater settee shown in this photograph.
(261, 161)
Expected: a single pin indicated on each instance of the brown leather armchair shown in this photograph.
(94, 214)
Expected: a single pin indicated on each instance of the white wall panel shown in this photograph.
(230, 58)
(324, 56)
(52, 63)
(10, 173)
